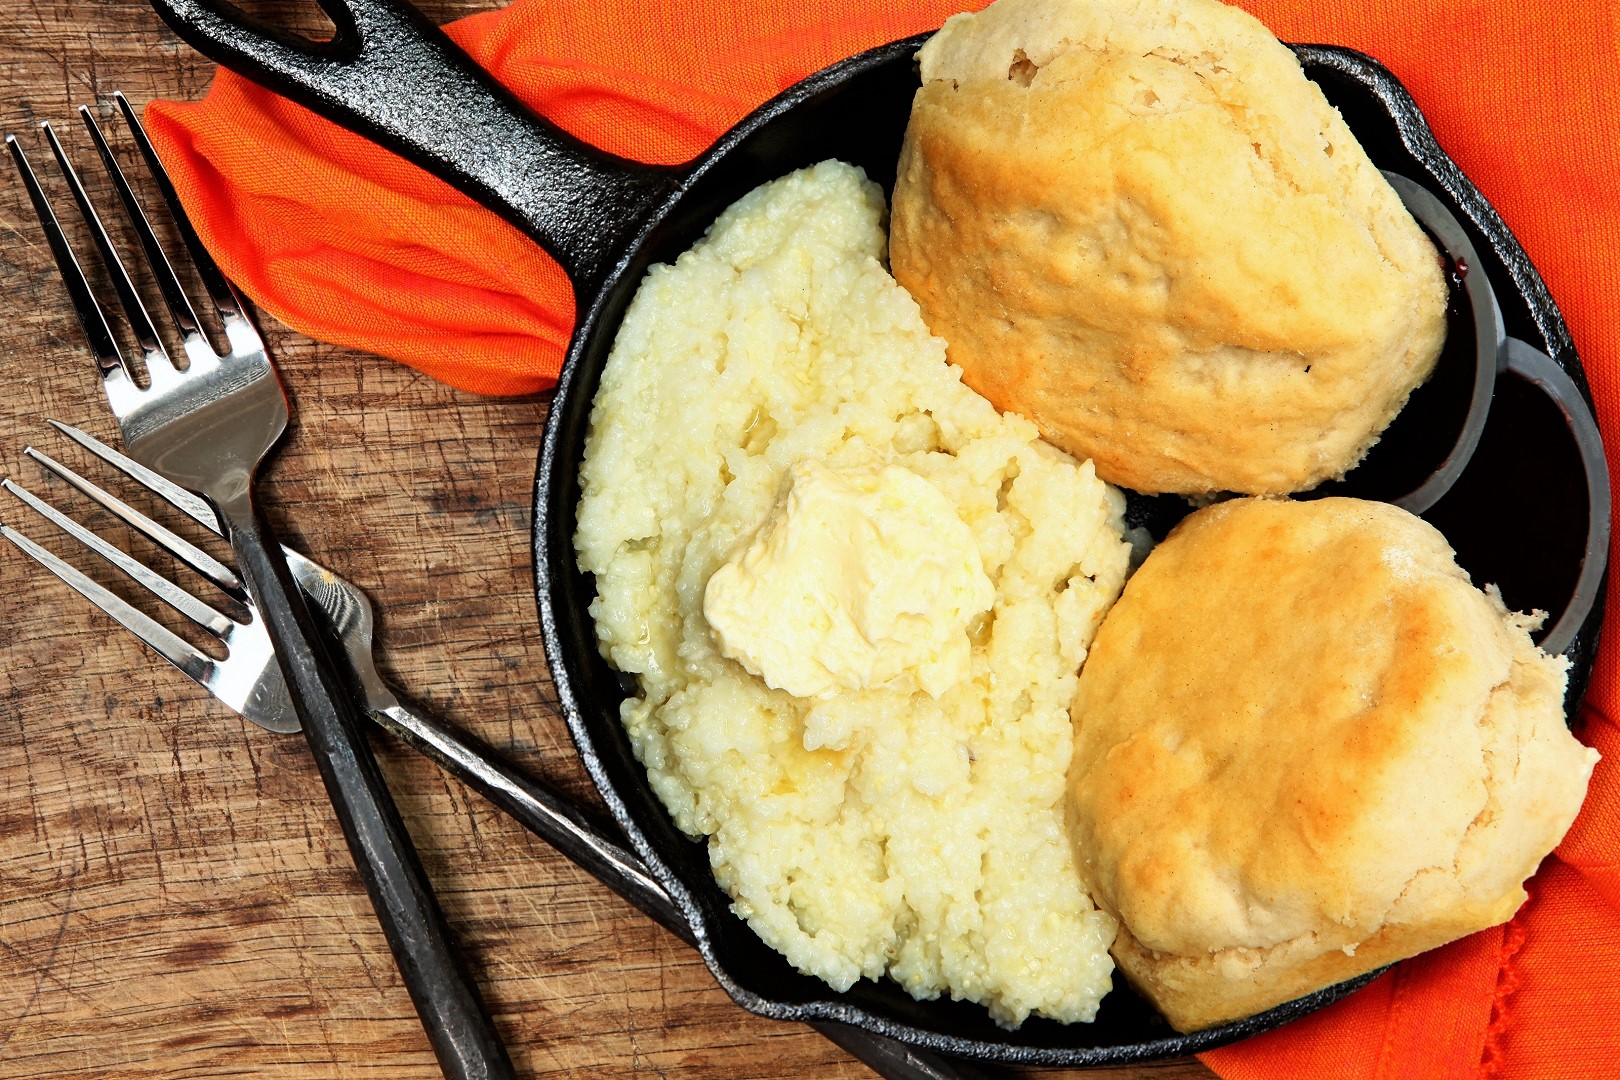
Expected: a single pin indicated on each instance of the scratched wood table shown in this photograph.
(175, 896)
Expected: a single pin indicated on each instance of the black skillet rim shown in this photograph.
(1476, 213)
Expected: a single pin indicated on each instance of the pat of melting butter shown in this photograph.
(860, 577)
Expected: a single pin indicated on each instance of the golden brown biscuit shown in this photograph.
(1307, 746)
(1137, 223)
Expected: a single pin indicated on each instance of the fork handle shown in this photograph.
(447, 1000)
(538, 807)
(544, 811)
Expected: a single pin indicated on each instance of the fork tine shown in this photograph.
(194, 508)
(156, 356)
(173, 648)
(85, 305)
(219, 289)
(182, 549)
(174, 295)
(159, 586)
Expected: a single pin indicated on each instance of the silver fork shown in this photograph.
(242, 677)
(206, 427)
(243, 680)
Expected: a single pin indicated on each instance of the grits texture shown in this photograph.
(871, 831)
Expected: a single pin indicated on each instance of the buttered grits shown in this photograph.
(855, 600)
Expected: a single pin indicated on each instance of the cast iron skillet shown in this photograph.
(1529, 512)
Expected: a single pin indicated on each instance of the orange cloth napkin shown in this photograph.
(346, 243)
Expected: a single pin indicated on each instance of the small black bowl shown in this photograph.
(389, 74)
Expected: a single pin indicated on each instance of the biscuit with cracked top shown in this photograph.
(1138, 223)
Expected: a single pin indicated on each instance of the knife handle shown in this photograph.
(447, 1000)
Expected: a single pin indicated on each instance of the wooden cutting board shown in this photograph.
(175, 897)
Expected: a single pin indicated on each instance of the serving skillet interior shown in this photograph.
(1529, 511)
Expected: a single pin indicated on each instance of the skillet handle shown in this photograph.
(1540, 370)
(393, 76)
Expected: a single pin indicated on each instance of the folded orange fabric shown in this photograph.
(346, 243)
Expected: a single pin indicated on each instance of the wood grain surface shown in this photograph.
(175, 897)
